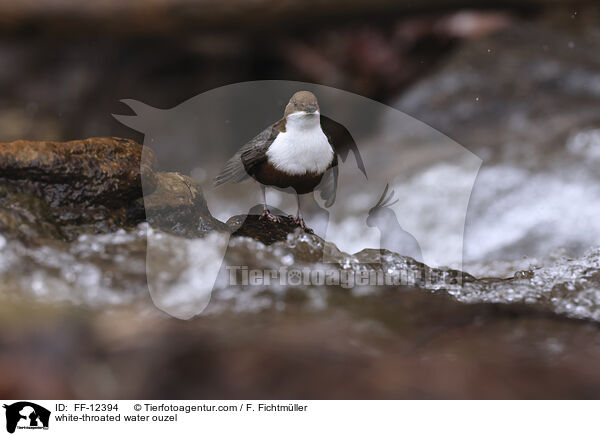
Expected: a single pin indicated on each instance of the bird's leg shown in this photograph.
(299, 220)
(264, 196)
(266, 214)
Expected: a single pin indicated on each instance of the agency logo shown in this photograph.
(355, 172)
(24, 415)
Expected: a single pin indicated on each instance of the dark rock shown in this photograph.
(178, 206)
(26, 216)
(402, 345)
(94, 171)
(261, 229)
(60, 190)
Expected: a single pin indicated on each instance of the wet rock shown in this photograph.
(60, 190)
(369, 271)
(263, 230)
(94, 171)
(569, 286)
(26, 216)
(178, 206)
(483, 340)
(407, 344)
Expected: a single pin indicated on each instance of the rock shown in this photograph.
(402, 344)
(178, 206)
(27, 216)
(94, 171)
(281, 245)
(318, 341)
(263, 230)
(63, 189)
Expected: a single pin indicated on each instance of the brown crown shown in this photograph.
(302, 101)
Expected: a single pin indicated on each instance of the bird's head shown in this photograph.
(303, 103)
(382, 211)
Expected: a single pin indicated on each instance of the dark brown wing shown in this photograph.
(342, 141)
(241, 165)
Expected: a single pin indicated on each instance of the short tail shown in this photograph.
(233, 171)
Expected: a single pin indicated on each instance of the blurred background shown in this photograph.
(65, 66)
(516, 83)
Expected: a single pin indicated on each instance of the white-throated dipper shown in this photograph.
(293, 153)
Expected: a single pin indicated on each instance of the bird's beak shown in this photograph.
(311, 109)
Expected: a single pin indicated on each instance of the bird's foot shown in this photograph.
(267, 215)
(300, 223)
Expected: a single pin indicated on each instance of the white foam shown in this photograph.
(585, 143)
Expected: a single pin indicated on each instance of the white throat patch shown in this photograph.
(303, 147)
